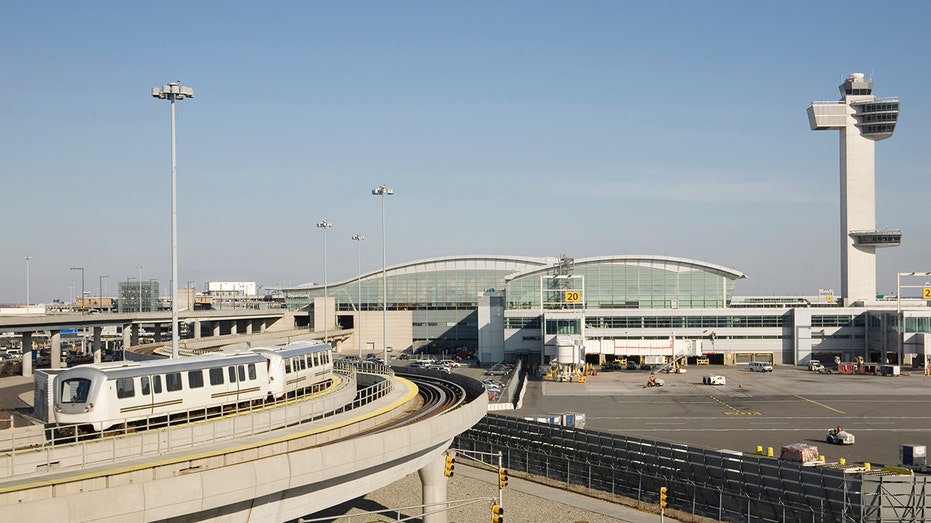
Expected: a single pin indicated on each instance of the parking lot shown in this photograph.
(789, 405)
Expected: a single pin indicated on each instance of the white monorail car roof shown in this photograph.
(123, 369)
(295, 349)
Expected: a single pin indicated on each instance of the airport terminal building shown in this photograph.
(608, 307)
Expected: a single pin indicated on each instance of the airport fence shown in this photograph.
(722, 485)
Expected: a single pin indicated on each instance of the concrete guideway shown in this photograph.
(267, 477)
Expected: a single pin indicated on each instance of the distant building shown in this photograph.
(138, 296)
(231, 289)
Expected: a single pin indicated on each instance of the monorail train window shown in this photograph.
(252, 371)
(75, 390)
(157, 384)
(195, 379)
(232, 373)
(173, 381)
(313, 360)
(124, 388)
(144, 385)
(301, 362)
(242, 373)
(216, 376)
(287, 366)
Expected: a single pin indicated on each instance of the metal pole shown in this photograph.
(140, 287)
(326, 324)
(27, 282)
(82, 286)
(384, 283)
(174, 240)
(173, 91)
(898, 317)
(358, 238)
(100, 291)
(383, 191)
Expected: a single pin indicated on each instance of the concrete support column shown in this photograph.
(234, 327)
(127, 328)
(216, 327)
(196, 329)
(158, 332)
(27, 354)
(96, 346)
(434, 489)
(55, 340)
(134, 337)
(249, 326)
(262, 325)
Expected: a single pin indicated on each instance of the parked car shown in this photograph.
(497, 370)
(449, 363)
(611, 365)
(760, 366)
(631, 365)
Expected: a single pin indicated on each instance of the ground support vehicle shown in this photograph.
(713, 379)
(838, 436)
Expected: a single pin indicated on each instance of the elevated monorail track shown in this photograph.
(438, 396)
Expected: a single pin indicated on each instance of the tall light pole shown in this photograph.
(27, 281)
(82, 285)
(383, 191)
(140, 286)
(173, 91)
(326, 324)
(358, 238)
(100, 291)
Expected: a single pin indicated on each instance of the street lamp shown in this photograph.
(100, 291)
(326, 325)
(140, 287)
(27, 281)
(173, 91)
(383, 191)
(358, 238)
(82, 285)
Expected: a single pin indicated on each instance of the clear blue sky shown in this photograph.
(523, 128)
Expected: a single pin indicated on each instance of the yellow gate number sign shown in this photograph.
(573, 296)
(926, 293)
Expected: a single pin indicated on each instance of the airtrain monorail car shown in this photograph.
(99, 396)
(297, 368)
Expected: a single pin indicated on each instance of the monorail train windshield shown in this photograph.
(75, 390)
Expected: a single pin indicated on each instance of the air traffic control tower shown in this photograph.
(861, 119)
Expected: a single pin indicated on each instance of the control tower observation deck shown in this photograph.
(862, 119)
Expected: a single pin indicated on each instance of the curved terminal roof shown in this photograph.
(659, 262)
(457, 281)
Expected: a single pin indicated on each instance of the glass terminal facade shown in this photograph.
(515, 304)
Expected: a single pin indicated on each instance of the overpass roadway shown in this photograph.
(233, 470)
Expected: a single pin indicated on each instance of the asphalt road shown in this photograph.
(789, 405)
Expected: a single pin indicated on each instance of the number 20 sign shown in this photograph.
(573, 296)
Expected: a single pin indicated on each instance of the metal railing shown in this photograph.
(158, 435)
(703, 482)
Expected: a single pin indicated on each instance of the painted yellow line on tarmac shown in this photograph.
(733, 410)
(818, 403)
(803, 398)
(411, 393)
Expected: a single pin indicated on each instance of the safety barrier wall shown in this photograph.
(65, 452)
(718, 484)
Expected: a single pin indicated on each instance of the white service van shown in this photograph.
(760, 366)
